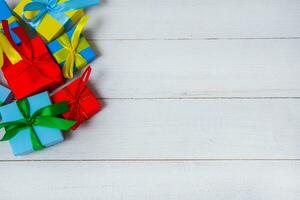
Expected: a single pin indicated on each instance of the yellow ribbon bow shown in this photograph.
(7, 49)
(71, 49)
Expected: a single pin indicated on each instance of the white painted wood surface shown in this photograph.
(202, 101)
(183, 129)
(234, 180)
(196, 19)
(198, 68)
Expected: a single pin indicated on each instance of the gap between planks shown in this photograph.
(150, 160)
(200, 98)
(194, 39)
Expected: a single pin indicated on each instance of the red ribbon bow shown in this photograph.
(76, 111)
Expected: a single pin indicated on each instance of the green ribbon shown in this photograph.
(43, 117)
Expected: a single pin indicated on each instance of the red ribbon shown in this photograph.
(76, 111)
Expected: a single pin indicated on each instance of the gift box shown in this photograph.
(31, 123)
(36, 70)
(71, 50)
(82, 102)
(6, 14)
(4, 94)
(51, 18)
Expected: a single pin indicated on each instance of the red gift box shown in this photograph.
(82, 102)
(36, 72)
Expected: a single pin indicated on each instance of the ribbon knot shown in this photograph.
(29, 121)
(72, 45)
(45, 117)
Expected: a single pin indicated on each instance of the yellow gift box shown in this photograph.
(49, 27)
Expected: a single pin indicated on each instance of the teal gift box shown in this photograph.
(31, 124)
(71, 50)
(6, 14)
(5, 93)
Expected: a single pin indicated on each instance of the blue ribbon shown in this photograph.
(57, 11)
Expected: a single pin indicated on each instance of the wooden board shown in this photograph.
(195, 69)
(195, 19)
(202, 101)
(183, 129)
(233, 180)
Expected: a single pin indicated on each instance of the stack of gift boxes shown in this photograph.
(34, 67)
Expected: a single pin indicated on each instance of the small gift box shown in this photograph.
(50, 18)
(28, 68)
(6, 14)
(4, 94)
(83, 104)
(71, 50)
(31, 123)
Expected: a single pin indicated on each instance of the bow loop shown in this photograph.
(39, 8)
(24, 108)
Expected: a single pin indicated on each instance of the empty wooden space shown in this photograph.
(151, 180)
(202, 101)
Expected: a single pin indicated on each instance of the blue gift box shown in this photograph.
(6, 14)
(21, 143)
(85, 50)
(4, 94)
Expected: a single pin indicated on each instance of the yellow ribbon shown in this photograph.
(7, 49)
(10, 20)
(71, 49)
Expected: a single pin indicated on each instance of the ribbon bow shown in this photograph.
(77, 97)
(71, 49)
(54, 8)
(43, 117)
(6, 48)
(75, 104)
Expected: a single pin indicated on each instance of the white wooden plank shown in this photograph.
(195, 19)
(184, 69)
(183, 129)
(211, 180)
(147, 69)
(210, 68)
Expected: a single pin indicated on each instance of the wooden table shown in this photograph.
(202, 101)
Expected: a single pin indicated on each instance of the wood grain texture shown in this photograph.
(196, 69)
(234, 180)
(209, 81)
(185, 69)
(195, 19)
(183, 129)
